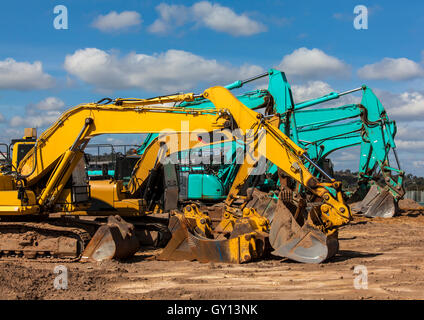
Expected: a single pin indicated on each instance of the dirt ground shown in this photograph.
(390, 249)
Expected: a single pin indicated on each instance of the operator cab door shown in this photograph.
(20, 150)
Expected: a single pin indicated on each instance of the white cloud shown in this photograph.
(392, 69)
(170, 16)
(346, 158)
(40, 114)
(114, 21)
(23, 75)
(410, 145)
(207, 14)
(50, 103)
(35, 121)
(224, 19)
(418, 164)
(9, 133)
(173, 70)
(115, 141)
(412, 104)
(410, 130)
(311, 90)
(313, 64)
(403, 106)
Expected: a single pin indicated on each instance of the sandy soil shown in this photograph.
(390, 249)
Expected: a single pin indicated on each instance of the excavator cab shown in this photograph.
(19, 148)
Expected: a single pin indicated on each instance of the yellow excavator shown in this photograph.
(41, 198)
(313, 241)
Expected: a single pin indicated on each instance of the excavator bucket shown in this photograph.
(299, 243)
(377, 203)
(114, 240)
(187, 244)
(289, 236)
(262, 203)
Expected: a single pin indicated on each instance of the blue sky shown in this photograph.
(240, 40)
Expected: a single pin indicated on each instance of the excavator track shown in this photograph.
(46, 241)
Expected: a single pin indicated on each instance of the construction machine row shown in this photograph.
(215, 180)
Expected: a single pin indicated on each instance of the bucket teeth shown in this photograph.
(377, 203)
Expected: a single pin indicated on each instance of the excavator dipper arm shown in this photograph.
(275, 146)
